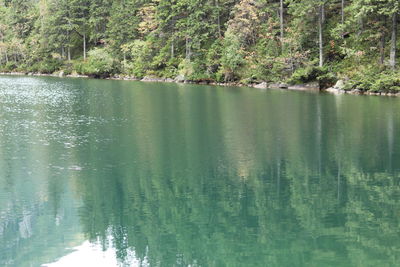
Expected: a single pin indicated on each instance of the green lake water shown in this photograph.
(153, 174)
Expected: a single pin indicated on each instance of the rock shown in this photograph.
(339, 85)
(305, 87)
(152, 79)
(61, 74)
(278, 85)
(335, 91)
(180, 78)
(262, 85)
(283, 86)
(169, 80)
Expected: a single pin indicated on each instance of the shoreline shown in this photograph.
(311, 87)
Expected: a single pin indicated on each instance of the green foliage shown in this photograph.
(47, 66)
(9, 66)
(232, 57)
(373, 80)
(220, 40)
(100, 63)
(138, 52)
(387, 81)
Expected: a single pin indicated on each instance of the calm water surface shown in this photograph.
(108, 173)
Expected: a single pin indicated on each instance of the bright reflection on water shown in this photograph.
(142, 174)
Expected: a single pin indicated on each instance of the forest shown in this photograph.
(243, 41)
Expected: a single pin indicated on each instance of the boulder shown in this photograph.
(339, 85)
(283, 86)
(262, 85)
(152, 79)
(180, 78)
(313, 86)
(335, 91)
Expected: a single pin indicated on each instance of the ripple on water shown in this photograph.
(43, 112)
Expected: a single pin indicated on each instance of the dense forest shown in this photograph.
(246, 41)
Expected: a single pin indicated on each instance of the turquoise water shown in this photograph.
(175, 175)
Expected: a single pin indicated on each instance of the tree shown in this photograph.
(310, 11)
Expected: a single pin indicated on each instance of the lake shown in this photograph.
(120, 173)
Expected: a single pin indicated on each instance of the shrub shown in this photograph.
(49, 66)
(373, 79)
(326, 80)
(139, 51)
(232, 57)
(305, 75)
(46, 66)
(386, 82)
(324, 77)
(9, 66)
(100, 63)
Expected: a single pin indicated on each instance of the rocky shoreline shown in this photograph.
(337, 89)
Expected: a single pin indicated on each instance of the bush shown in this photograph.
(327, 80)
(232, 57)
(305, 75)
(9, 66)
(372, 79)
(386, 82)
(22, 67)
(100, 63)
(49, 66)
(140, 54)
(46, 66)
(313, 74)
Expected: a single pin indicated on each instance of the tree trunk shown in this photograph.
(84, 46)
(172, 49)
(382, 49)
(321, 45)
(188, 49)
(281, 19)
(342, 12)
(393, 42)
(218, 19)
(68, 48)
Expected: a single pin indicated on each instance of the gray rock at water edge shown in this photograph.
(374, 93)
(262, 85)
(339, 85)
(61, 74)
(305, 87)
(356, 92)
(335, 91)
(278, 85)
(152, 79)
(169, 80)
(180, 78)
